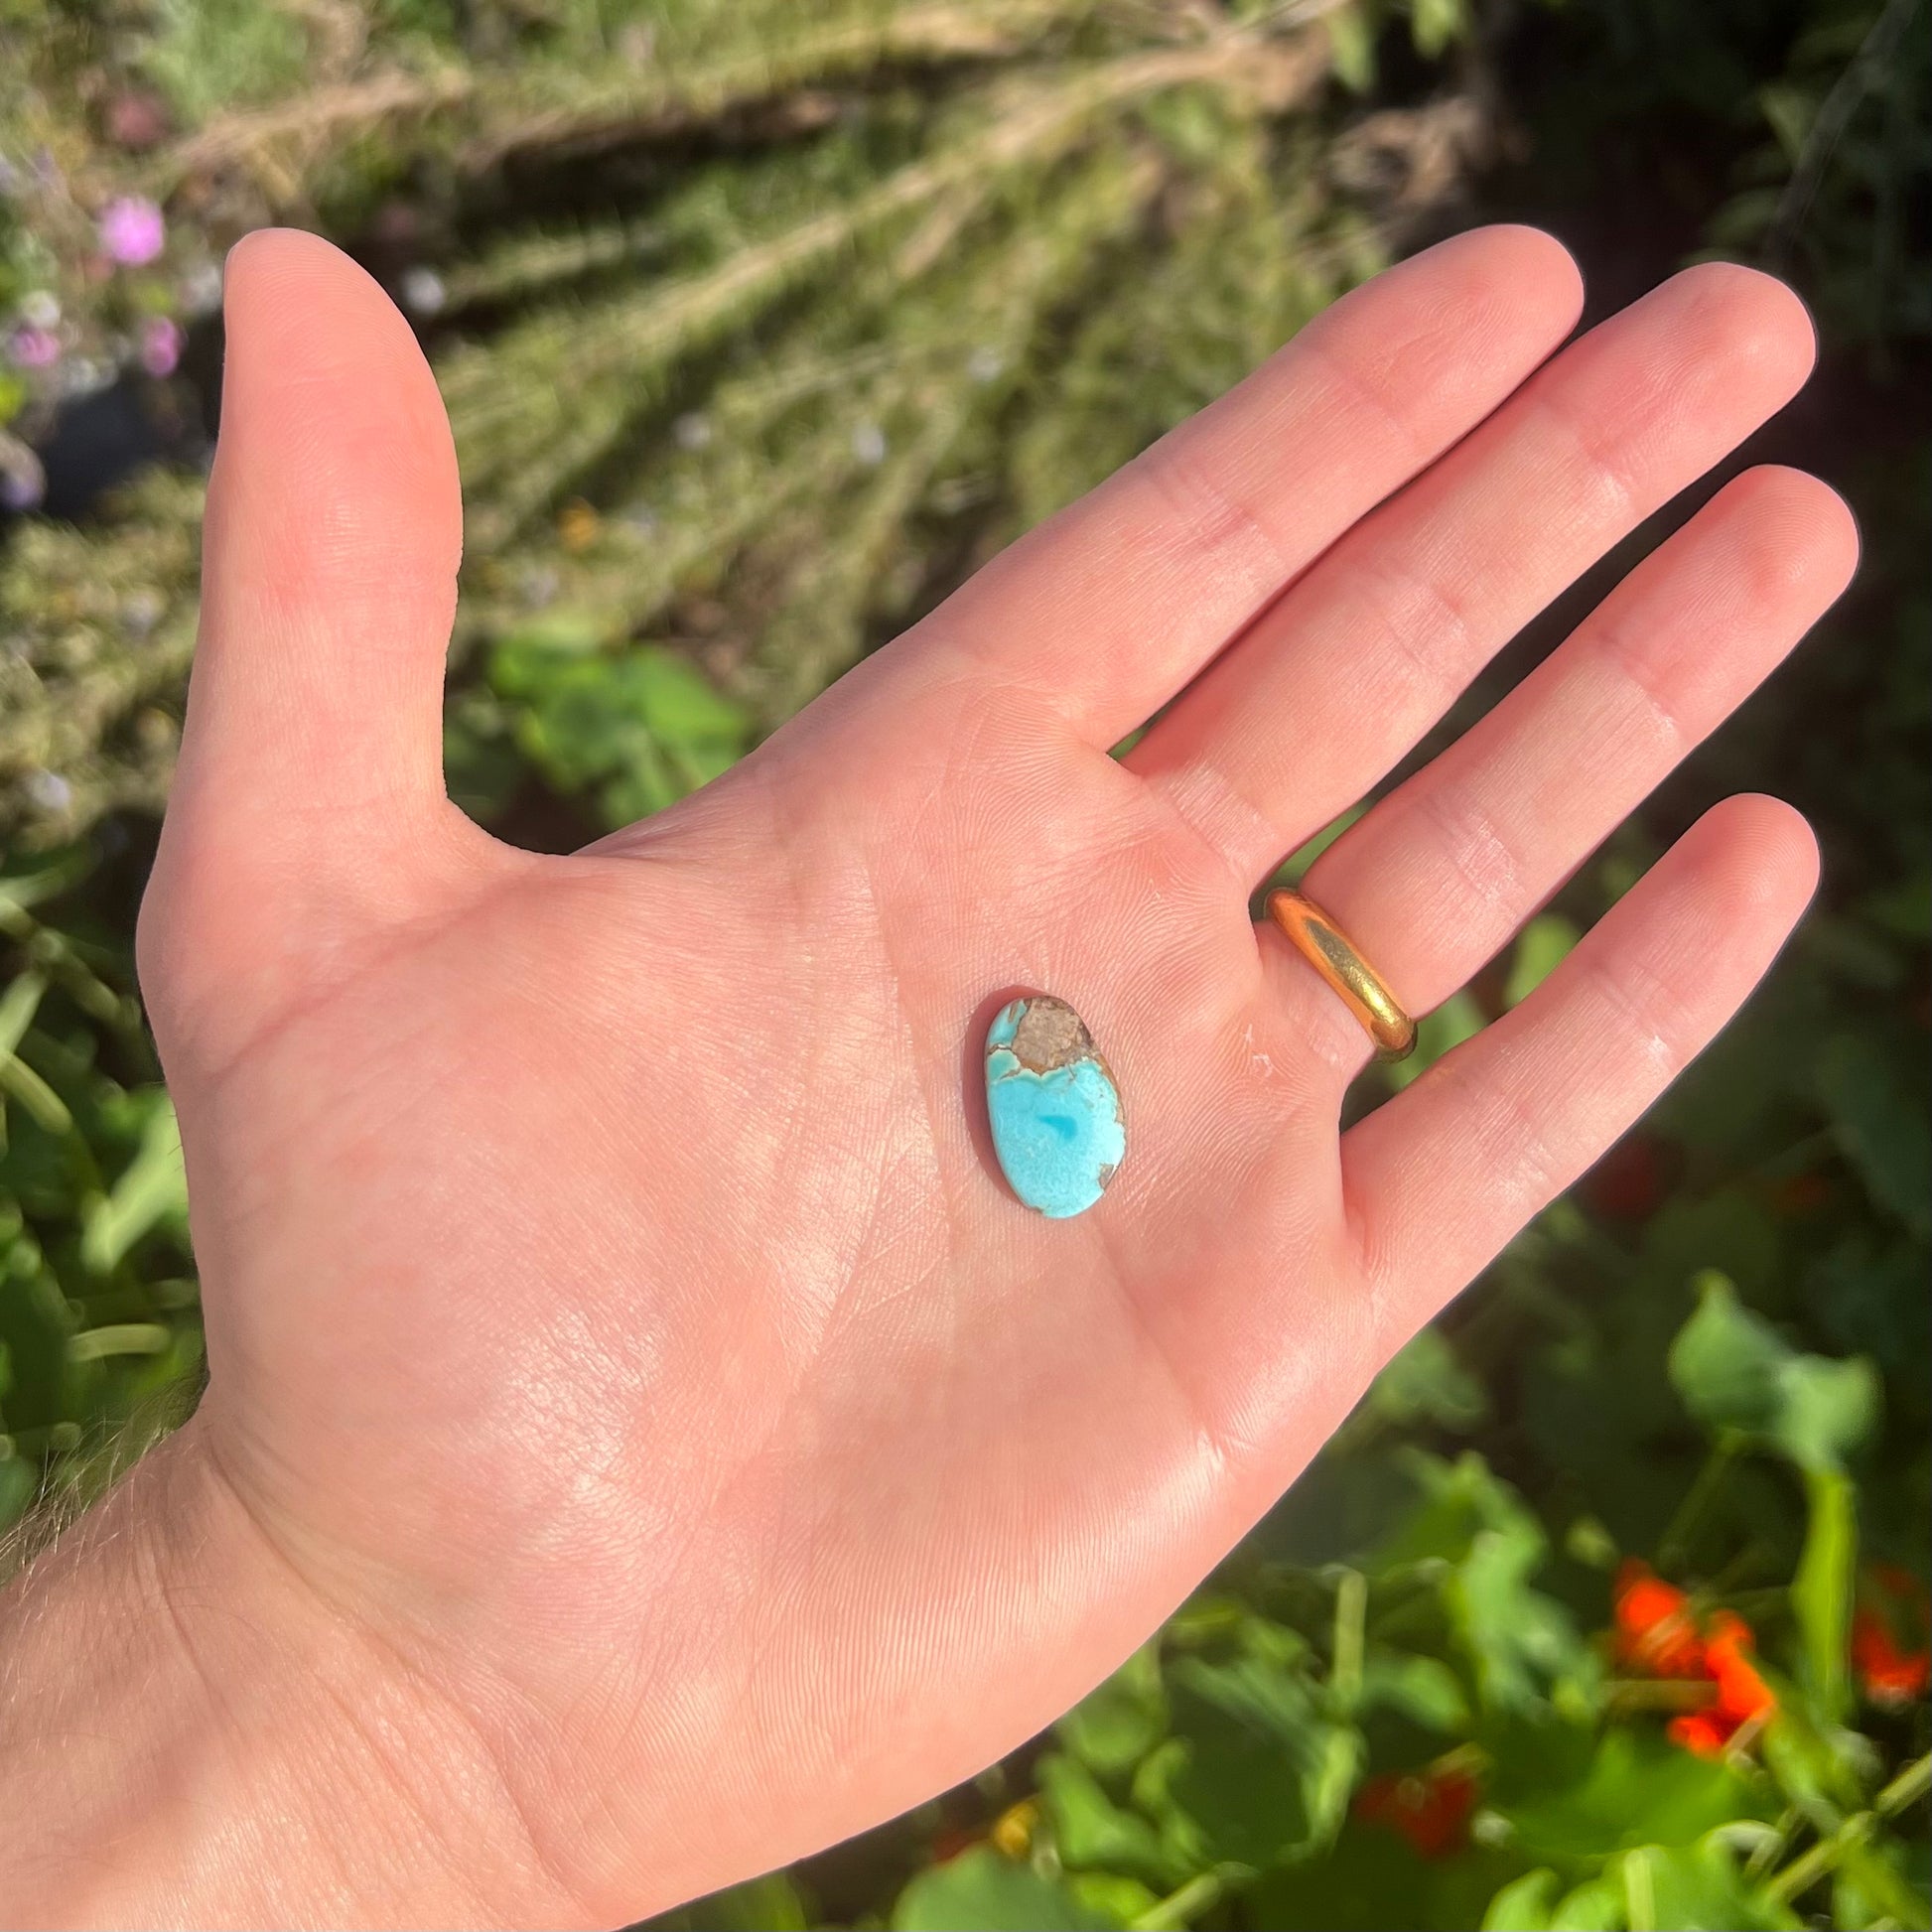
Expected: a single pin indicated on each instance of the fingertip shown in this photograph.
(1535, 258)
(1763, 323)
(1767, 853)
(1527, 270)
(1801, 533)
(264, 245)
(336, 466)
(1789, 840)
(295, 304)
(330, 550)
(284, 267)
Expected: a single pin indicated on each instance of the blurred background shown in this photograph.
(763, 321)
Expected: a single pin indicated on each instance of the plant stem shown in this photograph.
(1173, 1912)
(1351, 1614)
(1697, 1500)
(1802, 1874)
(1906, 1790)
(1639, 1892)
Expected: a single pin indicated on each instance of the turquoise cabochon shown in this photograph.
(1058, 1129)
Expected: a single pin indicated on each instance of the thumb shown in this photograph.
(309, 795)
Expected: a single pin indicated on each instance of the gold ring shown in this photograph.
(1326, 947)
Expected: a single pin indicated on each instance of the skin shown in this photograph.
(644, 1442)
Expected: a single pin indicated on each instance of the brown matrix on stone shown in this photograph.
(1051, 1034)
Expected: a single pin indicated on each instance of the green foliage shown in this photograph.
(1736, 1373)
(637, 729)
(753, 397)
(100, 1344)
(982, 1889)
(760, 325)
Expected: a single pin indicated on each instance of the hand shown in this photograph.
(628, 1374)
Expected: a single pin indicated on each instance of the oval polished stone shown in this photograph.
(1053, 1107)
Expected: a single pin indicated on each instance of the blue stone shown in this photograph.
(1053, 1107)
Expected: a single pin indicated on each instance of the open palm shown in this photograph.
(616, 1317)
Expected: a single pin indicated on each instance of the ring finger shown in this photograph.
(1438, 875)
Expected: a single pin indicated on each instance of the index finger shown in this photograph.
(1105, 611)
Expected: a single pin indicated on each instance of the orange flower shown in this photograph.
(1655, 1632)
(1890, 1675)
(1702, 1731)
(1741, 1694)
(1657, 1635)
(1430, 1808)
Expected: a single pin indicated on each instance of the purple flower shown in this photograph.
(161, 341)
(23, 482)
(35, 349)
(132, 230)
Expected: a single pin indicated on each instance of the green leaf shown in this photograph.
(1596, 1905)
(483, 767)
(1424, 1382)
(980, 1892)
(679, 703)
(1422, 1689)
(1904, 908)
(1817, 1766)
(1871, 1887)
(19, 1484)
(1457, 1018)
(1728, 1231)
(1868, 1293)
(1524, 1905)
(642, 724)
(521, 654)
(1091, 1832)
(1371, 1881)
(1545, 943)
(1697, 1888)
(1435, 24)
(1266, 1777)
(1521, 1640)
(1522, 1644)
(1351, 46)
(1638, 1789)
(40, 1100)
(768, 1904)
(1736, 1371)
(152, 1188)
(1821, 1592)
(18, 1005)
(1114, 1727)
(1790, 110)
(1111, 1897)
(1294, 867)
(1879, 1123)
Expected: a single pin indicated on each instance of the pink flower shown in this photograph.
(132, 230)
(35, 349)
(161, 341)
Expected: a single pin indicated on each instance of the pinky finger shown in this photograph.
(1441, 1176)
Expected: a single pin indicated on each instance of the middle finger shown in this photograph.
(1330, 688)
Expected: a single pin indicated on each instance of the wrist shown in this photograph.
(190, 1735)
